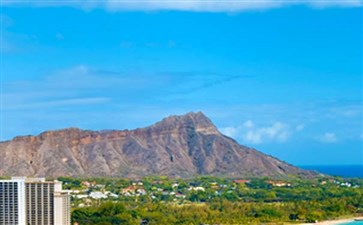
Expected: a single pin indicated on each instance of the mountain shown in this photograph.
(178, 146)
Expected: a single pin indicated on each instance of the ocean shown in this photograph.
(338, 170)
(353, 223)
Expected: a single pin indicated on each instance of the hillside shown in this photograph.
(177, 146)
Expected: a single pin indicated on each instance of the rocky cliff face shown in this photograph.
(178, 146)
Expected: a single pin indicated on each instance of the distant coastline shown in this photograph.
(334, 222)
(347, 171)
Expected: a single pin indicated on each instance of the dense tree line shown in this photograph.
(256, 202)
(218, 212)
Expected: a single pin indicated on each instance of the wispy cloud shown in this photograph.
(187, 5)
(188, 83)
(82, 82)
(300, 127)
(349, 111)
(58, 103)
(328, 138)
(75, 86)
(249, 124)
(252, 134)
(304, 122)
(230, 131)
(14, 42)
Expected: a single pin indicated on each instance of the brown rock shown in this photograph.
(178, 146)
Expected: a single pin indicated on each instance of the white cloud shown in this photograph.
(59, 103)
(248, 124)
(328, 138)
(229, 131)
(249, 133)
(273, 130)
(187, 5)
(348, 111)
(14, 42)
(79, 85)
(84, 77)
(352, 113)
(300, 127)
(277, 131)
(253, 137)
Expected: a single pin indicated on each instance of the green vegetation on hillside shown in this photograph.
(210, 200)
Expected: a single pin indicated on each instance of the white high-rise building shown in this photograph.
(33, 201)
(12, 202)
(39, 195)
(62, 204)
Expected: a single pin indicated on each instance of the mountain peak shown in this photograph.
(178, 146)
(190, 121)
(196, 114)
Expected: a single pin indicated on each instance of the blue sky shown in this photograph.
(284, 77)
